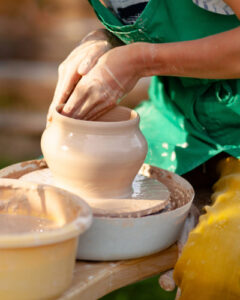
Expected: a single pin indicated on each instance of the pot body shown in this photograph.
(95, 159)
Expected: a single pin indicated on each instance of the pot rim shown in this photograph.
(36, 239)
(99, 124)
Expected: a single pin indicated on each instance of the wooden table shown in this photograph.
(92, 280)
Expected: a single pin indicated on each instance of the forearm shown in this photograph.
(213, 57)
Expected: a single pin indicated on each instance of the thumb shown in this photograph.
(166, 281)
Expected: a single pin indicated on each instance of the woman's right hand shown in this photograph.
(79, 62)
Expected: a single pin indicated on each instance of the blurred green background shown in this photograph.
(145, 290)
(35, 36)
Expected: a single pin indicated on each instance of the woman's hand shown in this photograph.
(166, 280)
(114, 75)
(80, 61)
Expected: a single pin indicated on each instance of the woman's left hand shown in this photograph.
(166, 280)
(114, 75)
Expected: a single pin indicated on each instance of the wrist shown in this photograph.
(130, 60)
(148, 59)
(136, 59)
(113, 40)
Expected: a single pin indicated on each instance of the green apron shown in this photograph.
(186, 121)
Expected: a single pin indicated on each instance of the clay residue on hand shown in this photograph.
(17, 170)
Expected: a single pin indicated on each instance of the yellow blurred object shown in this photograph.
(40, 225)
(209, 267)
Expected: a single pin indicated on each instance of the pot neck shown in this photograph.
(97, 126)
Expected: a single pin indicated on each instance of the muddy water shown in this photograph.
(148, 188)
(12, 224)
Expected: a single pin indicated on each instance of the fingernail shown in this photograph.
(66, 110)
(60, 107)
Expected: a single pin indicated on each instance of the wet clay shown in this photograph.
(148, 196)
(146, 188)
(180, 191)
(27, 207)
(17, 170)
(14, 224)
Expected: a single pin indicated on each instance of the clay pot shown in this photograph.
(95, 159)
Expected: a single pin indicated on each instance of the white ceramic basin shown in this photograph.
(126, 238)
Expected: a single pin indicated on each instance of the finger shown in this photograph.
(63, 90)
(98, 100)
(166, 281)
(86, 107)
(85, 96)
(96, 97)
(189, 224)
(75, 101)
(178, 294)
(66, 85)
(85, 66)
(99, 111)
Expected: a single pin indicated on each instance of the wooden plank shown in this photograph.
(93, 280)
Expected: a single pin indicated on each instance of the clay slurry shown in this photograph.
(14, 224)
(148, 196)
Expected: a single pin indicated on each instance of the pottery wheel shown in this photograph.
(148, 196)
